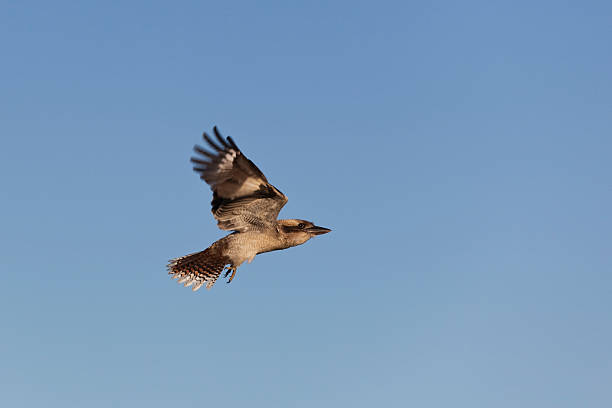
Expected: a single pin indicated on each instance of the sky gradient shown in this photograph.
(460, 152)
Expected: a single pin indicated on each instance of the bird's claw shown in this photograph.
(233, 271)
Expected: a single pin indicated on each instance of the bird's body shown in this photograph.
(243, 202)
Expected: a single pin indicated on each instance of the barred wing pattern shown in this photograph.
(242, 197)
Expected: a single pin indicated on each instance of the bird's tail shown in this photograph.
(198, 268)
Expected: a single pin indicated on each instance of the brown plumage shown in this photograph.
(243, 202)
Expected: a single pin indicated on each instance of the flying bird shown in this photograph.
(243, 202)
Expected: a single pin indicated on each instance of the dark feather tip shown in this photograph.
(199, 161)
(220, 138)
(200, 150)
(232, 143)
(211, 143)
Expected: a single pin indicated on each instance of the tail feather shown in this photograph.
(198, 268)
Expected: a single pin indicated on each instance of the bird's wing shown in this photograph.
(242, 197)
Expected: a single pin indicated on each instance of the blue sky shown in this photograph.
(460, 151)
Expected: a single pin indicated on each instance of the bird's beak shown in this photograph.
(318, 230)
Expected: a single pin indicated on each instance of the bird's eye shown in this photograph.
(301, 225)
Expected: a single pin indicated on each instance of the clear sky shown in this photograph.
(460, 151)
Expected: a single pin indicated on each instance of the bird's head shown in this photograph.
(296, 231)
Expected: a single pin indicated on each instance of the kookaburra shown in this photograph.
(245, 203)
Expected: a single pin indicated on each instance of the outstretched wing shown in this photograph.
(242, 197)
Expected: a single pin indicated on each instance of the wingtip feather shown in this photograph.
(232, 143)
(220, 138)
(211, 143)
